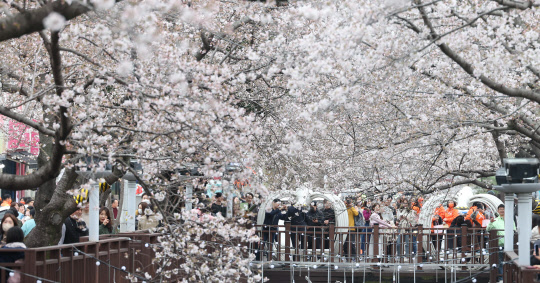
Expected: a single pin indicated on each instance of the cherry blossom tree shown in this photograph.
(369, 97)
(376, 95)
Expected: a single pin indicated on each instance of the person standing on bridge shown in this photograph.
(315, 217)
(271, 220)
(329, 218)
(498, 224)
(376, 219)
(451, 213)
(349, 246)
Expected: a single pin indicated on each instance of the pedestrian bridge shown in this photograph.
(330, 251)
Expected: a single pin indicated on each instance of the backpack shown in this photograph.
(474, 214)
(359, 220)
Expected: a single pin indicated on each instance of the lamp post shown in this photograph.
(93, 199)
(518, 176)
(127, 216)
(230, 199)
(189, 197)
(524, 192)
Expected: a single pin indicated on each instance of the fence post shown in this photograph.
(507, 269)
(288, 241)
(375, 242)
(464, 242)
(29, 266)
(493, 256)
(420, 246)
(331, 242)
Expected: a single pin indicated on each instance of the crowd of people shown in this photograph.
(75, 226)
(399, 215)
(21, 215)
(16, 214)
(362, 215)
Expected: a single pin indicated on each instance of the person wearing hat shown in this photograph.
(219, 206)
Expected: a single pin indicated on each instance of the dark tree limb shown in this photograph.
(32, 20)
(52, 153)
(25, 120)
(499, 145)
(474, 181)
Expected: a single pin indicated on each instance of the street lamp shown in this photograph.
(518, 176)
(127, 216)
(93, 199)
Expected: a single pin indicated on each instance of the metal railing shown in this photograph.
(459, 248)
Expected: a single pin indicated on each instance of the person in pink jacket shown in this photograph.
(376, 218)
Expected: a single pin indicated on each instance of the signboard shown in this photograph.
(20, 136)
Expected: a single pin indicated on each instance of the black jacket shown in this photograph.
(73, 232)
(273, 217)
(315, 214)
(296, 216)
(329, 215)
(219, 208)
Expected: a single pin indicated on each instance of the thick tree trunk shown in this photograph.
(52, 203)
(52, 211)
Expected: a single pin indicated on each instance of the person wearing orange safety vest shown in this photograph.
(475, 215)
(437, 220)
(438, 215)
(451, 213)
(415, 206)
(7, 201)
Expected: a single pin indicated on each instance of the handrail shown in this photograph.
(77, 262)
(457, 246)
(513, 272)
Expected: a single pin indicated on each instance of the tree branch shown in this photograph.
(32, 21)
(468, 68)
(25, 120)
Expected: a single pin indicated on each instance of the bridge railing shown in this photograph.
(513, 272)
(118, 256)
(461, 247)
